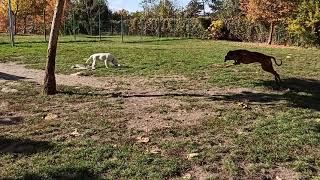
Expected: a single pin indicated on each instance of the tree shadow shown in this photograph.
(23, 146)
(66, 174)
(126, 96)
(294, 84)
(6, 76)
(155, 40)
(11, 120)
(299, 93)
(24, 43)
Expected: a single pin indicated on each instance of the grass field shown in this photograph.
(207, 120)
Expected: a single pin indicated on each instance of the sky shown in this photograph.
(133, 5)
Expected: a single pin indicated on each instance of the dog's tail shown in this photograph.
(275, 61)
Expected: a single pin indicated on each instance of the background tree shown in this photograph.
(305, 25)
(270, 11)
(50, 79)
(229, 9)
(193, 8)
(164, 9)
(86, 14)
(215, 6)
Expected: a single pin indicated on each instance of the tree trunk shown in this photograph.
(50, 80)
(11, 23)
(16, 19)
(25, 25)
(44, 25)
(271, 31)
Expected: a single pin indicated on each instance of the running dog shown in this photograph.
(247, 57)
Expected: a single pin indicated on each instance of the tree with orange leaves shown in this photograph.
(270, 11)
(30, 15)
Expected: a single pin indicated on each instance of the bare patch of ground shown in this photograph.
(156, 113)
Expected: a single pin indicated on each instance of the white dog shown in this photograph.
(106, 57)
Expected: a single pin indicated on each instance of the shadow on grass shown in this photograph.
(299, 93)
(155, 40)
(299, 85)
(6, 76)
(23, 146)
(66, 174)
(302, 93)
(120, 95)
(61, 42)
(11, 120)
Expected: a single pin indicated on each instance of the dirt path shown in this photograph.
(12, 71)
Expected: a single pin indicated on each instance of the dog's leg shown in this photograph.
(269, 68)
(93, 63)
(236, 62)
(106, 63)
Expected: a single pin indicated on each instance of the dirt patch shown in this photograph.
(284, 173)
(198, 173)
(13, 71)
(156, 113)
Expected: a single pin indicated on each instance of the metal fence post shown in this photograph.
(121, 27)
(73, 26)
(159, 29)
(99, 23)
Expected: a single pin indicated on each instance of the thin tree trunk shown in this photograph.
(271, 31)
(25, 25)
(44, 25)
(11, 23)
(50, 80)
(16, 19)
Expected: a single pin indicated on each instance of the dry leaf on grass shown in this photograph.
(155, 150)
(75, 133)
(50, 116)
(187, 176)
(192, 155)
(141, 139)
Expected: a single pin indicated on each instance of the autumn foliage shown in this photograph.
(31, 16)
(270, 11)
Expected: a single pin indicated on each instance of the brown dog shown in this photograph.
(247, 57)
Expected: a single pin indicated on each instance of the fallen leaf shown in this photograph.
(141, 139)
(75, 133)
(192, 155)
(50, 116)
(244, 105)
(187, 176)
(155, 150)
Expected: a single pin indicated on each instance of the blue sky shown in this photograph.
(133, 5)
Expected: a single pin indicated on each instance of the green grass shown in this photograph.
(201, 60)
(248, 135)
